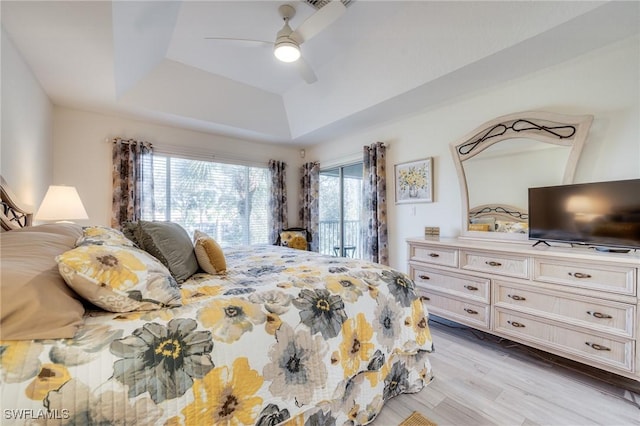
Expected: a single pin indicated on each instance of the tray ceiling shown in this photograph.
(380, 60)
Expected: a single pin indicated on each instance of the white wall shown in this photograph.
(26, 146)
(82, 155)
(604, 83)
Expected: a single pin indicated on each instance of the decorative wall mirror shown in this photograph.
(499, 160)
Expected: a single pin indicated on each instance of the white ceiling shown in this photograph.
(378, 61)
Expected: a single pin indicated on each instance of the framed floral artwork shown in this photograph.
(414, 181)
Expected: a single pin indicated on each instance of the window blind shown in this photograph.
(227, 201)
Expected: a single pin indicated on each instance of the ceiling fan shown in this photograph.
(287, 43)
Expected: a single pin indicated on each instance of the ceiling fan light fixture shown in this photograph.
(287, 51)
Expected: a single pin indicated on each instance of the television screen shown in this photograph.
(601, 214)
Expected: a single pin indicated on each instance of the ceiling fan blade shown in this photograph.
(318, 21)
(242, 41)
(305, 71)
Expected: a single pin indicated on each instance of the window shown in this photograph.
(340, 209)
(227, 201)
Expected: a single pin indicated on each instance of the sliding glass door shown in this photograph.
(340, 211)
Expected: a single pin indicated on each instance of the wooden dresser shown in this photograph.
(574, 302)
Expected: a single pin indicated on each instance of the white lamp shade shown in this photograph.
(287, 51)
(61, 203)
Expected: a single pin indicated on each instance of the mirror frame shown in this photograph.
(548, 127)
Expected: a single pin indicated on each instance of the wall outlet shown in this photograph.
(431, 231)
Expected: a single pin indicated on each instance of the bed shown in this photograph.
(282, 336)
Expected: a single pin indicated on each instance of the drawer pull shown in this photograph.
(470, 311)
(516, 297)
(599, 315)
(423, 298)
(434, 255)
(424, 277)
(471, 287)
(597, 347)
(579, 275)
(493, 263)
(516, 324)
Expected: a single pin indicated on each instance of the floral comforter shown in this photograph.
(285, 337)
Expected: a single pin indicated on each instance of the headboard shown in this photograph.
(500, 218)
(499, 211)
(14, 214)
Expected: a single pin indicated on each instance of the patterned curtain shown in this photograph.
(132, 181)
(309, 201)
(375, 204)
(278, 199)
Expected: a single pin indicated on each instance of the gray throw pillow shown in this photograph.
(170, 244)
(130, 229)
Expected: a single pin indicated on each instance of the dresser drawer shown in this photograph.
(468, 287)
(511, 266)
(601, 315)
(592, 347)
(470, 313)
(434, 254)
(613, 279)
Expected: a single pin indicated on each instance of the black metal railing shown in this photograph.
(329, 238)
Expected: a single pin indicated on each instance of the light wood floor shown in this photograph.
(483, 380)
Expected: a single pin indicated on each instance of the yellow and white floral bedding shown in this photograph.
(284, 337)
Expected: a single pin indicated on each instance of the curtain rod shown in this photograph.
(127, 141)
(198, 153)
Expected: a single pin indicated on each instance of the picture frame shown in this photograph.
(414, 181)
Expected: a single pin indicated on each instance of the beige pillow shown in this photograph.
(209, 254)
(35, 302)
(119, 278)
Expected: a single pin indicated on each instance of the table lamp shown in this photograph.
(61, 204)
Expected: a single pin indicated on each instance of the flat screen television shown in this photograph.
(605, 215)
